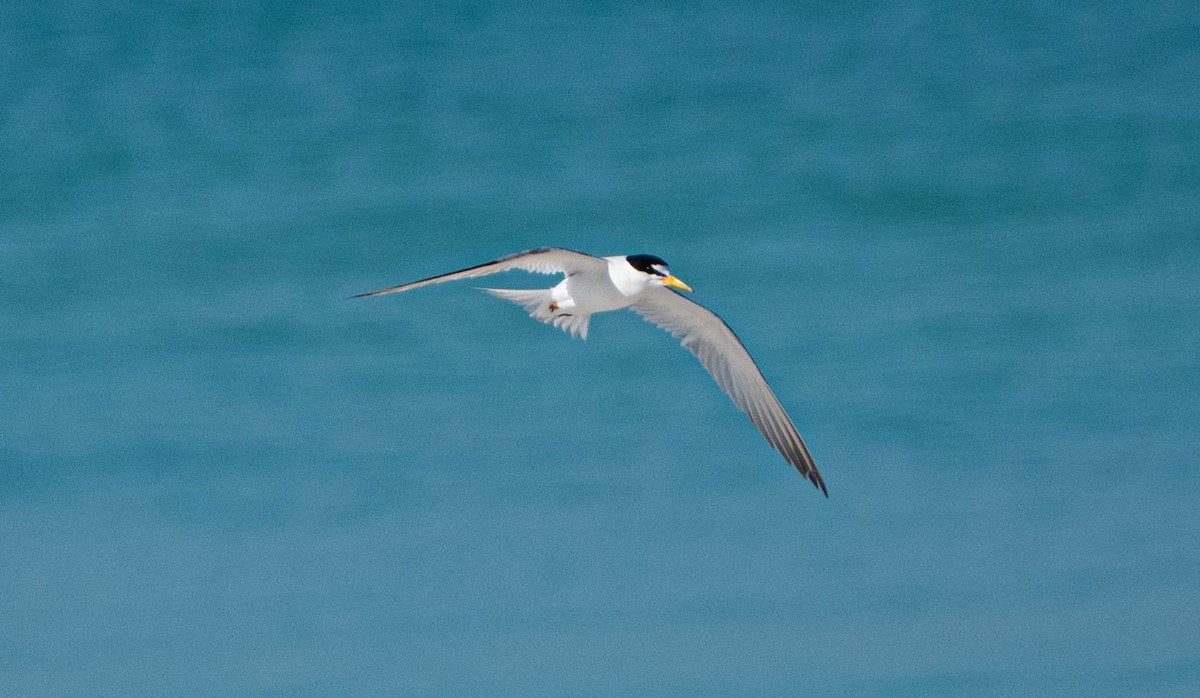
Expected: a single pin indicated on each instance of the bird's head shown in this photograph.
(657, 270)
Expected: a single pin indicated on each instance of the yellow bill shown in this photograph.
(674, 282)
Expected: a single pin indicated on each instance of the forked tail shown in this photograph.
(539, 303)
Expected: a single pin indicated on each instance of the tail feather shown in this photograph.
(538, 303)
(577, 325)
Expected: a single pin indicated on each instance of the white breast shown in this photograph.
(601, 292)
(628, 281)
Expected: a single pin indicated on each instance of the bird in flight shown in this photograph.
(642, 283)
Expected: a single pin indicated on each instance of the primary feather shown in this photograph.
(639, 282)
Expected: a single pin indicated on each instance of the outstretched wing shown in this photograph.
(707, 336)
(544, 260)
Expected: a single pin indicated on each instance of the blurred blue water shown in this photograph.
(963, 244)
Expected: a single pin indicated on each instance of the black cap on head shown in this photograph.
(647, 263)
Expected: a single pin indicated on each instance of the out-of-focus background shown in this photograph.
(963, 244)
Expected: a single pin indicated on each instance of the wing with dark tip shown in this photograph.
(720, 351)
(544, 260)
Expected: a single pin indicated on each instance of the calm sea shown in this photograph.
(962, 242)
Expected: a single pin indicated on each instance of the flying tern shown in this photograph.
(643, 283)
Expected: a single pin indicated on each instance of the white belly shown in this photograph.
(593, 293)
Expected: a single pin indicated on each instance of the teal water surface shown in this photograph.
(963, 244)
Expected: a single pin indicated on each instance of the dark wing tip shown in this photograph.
(368, 294)
(818, 482)
(808, 471)
(466, 272)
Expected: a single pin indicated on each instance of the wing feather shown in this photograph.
(544, 260)
(723, 355)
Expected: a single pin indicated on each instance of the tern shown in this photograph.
(642, 283)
